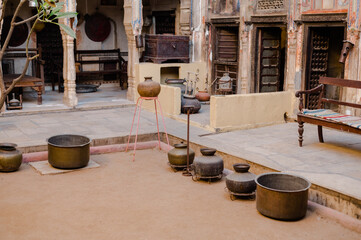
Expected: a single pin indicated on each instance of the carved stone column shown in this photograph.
(291, 60)
(70, 99)
(185, 16)
(1, 25)
(245, 55)
(133, 54)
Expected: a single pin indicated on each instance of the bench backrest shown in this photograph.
(20, 53)
(341, 83)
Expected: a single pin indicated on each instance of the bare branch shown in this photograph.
(27, 20)
(3, 10)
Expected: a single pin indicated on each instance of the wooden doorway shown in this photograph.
(52, 50)
(324, 45)
(226, 57)
(270, 59)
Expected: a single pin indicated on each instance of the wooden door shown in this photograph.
(323, 52)
(226, 57)
(270, 61)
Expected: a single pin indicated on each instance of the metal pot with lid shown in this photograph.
(10, 157)
(208, 166)
(241, 182)
(177, 157)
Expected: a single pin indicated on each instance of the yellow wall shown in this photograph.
(249, 110)
(170, 100)
(170, 97)
(154, 70)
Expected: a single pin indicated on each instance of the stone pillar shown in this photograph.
(244, 77)
(1, 25)
(133, 52)
(198, 31)
(185, 16)
(291, 60)
(70, 99)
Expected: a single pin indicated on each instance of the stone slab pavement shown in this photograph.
(335, 164)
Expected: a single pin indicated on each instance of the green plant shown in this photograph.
(48, 11)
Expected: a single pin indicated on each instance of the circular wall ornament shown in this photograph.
(19, 35)
(97, 27)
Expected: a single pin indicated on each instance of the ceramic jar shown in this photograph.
(148, 88)
(203, 96)
(178, 155)
(177, 83)
(10, 157)
(185, 101)
(241, 181)
(208, 165)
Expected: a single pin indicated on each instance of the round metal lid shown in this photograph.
(97, 27)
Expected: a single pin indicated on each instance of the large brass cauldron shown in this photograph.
(282, 196)
(68, 151)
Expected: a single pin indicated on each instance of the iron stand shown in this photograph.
(187, 171)
(140, 101)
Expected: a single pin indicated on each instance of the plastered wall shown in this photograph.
(244, 111)
(170, 100)
(117, 37)
(170, 97)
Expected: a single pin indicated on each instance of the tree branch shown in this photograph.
(26, 20)
(3, 10)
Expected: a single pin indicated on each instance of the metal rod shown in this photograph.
(156, 116)
(187, 172)
(165, 129)
(131, 128)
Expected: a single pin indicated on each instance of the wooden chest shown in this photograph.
(161, 48)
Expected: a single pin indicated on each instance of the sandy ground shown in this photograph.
(144, 199)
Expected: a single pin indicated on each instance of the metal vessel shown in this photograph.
(10, 157)
(148, 88)
(177, 157)
(208, 166)
(241, 181)
(282, 196)
(68, 151)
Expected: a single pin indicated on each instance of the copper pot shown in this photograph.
(241, 181)
(178, 155)
(68, 151)
(282, 196)
(203, 96)
(10, 157)
(148, 88)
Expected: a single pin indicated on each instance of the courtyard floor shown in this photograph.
(106, 115)
(144, 199)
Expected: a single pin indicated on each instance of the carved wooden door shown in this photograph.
(269, 60)
(319, 41)
(226, 57)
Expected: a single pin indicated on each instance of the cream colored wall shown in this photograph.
(113, 41)
(170, 100)
(154, 70)
(249, 110)
(170, 97)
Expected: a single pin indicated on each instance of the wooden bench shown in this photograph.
(106, 62)
(325, 117)
(36, 80)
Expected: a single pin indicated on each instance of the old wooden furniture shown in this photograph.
(36, 80)
(27, 81)
(99, 64)
(160, 48)
(327, 117)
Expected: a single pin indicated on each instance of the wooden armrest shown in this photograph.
(317, 89)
